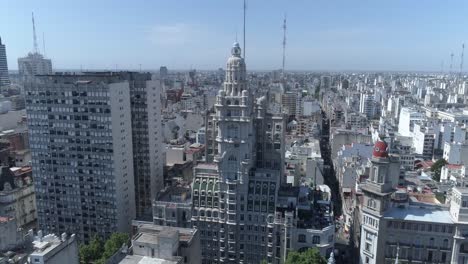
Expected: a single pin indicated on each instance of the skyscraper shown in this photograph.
(239, 189)
(4, 79)
(95, 150)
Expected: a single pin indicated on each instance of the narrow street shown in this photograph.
(329, 177)
(346, 250)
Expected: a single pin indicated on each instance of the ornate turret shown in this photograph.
(234, 107)
(235, 81)
(380, 149)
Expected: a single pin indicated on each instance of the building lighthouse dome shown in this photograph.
(235, 81)
(235, 60)
(236, 50)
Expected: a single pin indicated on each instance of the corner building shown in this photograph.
(398, 229)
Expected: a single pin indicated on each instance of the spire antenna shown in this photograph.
(34, 34)
(284, 43)
(461, 59)
(43, 44)
(451, 63)
(245, 10)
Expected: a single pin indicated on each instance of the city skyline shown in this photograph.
(155, 132)
(321, 36)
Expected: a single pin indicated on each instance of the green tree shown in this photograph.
(113, 244)
(92, 251)
(97, 252)
(436, 169)
(311, 256)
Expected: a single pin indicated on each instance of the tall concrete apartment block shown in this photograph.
(4, 79)
(145, 99)
(95, 150)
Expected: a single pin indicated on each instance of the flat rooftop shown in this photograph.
(151, 230)
(419, 214)
(208, 166)
(178, 193)
(153, 238)
(133, 259)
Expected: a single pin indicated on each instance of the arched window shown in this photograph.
(374, 174)
(371, 203)
(228, 102)
(301, 238)
(445, 244)
(236, 102)
(381, 176)
(431, 242)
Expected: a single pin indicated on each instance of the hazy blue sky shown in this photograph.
(322, 35)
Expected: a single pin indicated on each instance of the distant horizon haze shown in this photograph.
(321, 35)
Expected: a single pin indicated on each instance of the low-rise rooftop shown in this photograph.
(134, 259)
(420, 214)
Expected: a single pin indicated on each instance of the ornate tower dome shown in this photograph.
(235, 81)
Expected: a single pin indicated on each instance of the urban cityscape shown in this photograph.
(159, 163)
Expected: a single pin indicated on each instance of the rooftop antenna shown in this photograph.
(245, 9)
(34, 34)
(461, 62)
(284, 43)
(43, 44)
(451, 63)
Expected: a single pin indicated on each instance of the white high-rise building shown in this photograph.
(367, 105)
(34, 64)
(4, 79)
(456, 153)
(424, 140)
(408, 117)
